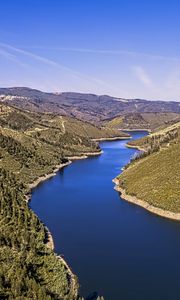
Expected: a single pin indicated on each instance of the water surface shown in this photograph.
(116, 248)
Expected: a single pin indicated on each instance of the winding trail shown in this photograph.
(63, 126)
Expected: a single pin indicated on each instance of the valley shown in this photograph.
(37, 139)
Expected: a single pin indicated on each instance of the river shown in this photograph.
(115, 248)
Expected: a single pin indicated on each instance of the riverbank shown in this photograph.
(116, 138)
(140, 129)
(155, 210)
(42, 178)
(73, 281)
(84, 155)
(135, 147)
(72, 278)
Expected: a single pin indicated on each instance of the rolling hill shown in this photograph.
(149, 120)
(153, 176)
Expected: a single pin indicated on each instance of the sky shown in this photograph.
(123, 48)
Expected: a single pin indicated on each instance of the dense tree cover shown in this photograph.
(16, 120)
(29, 269)
(20, 152)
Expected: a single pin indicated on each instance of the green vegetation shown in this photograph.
(43, 141)
(32, 145)
(151, 121)
(154, 175)
(158, 139)
(29, 269)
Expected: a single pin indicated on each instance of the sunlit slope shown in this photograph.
(150, 120)
(41, 141)
(155, 175)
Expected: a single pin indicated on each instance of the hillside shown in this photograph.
(87, 107)
(45, 143)
(153, 176)
(29, 269)
(151, 121)
(158, 140)
(33, 145)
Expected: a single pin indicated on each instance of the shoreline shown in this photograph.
(49, 242)
(72, 277)
(115, 138)
(153, 209)
(139, 129)
(42, 178)
(84, 155)
(135, 147)
(49, 238)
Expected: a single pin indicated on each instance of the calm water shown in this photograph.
(115, 248)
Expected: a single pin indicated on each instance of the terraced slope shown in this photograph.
(154, 176)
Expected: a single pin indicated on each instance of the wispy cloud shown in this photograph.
(11, 57)
(7, 54)
(39, 58)
(6, 49)
(109, 51)
(142, 75)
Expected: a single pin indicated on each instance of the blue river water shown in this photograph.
(115, 248)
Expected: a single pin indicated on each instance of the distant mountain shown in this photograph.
(87, 107)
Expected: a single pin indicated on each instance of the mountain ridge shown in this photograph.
(87, 107)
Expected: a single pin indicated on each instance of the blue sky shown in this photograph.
(124, 48)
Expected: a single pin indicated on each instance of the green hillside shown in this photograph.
(42, 141)
(29, 269)
(153, 176)
(149, 120)
(32, 145)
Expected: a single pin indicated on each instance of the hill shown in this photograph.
(152, 179)
(150, 121)
(87, 107)
(42, 141)
(33, 145)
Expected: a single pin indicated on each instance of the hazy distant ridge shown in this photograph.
(88, 107)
